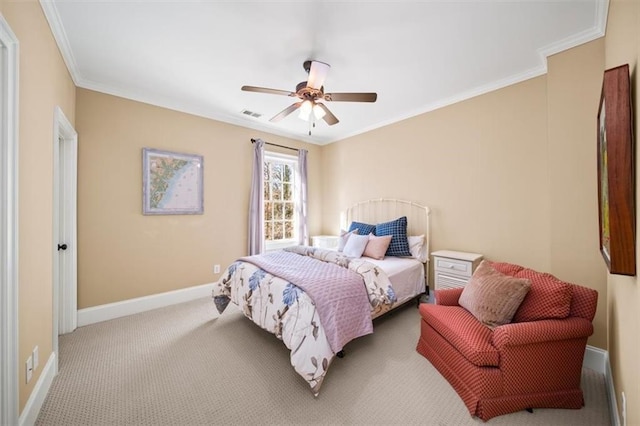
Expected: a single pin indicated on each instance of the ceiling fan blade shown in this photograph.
(328, 117)
(267, 90)
(350, 97)
(317, 74)
(288, 110)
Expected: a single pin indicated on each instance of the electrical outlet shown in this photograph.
(216, 269)
(624, 410)
(29, 367)
(36, 358)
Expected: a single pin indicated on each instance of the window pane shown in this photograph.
(286, 190)
(268, 211)
(276, 191)
(288, 211)
(266, 171)
(267, 192)
(277, 231)
(276, 171)
(278, 211)
(268, 231)
(287, 173)
(288, 229)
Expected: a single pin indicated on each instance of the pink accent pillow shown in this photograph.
(492, 297)
(549, 297)
(377, 246)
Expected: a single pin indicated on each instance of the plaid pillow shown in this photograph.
(398, 230)
(363, 228)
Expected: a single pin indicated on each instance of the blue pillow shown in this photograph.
(363, 228)
(398, 230)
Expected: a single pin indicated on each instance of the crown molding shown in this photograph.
(60, 36)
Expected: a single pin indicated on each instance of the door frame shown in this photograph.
(8, 224)
(65, 292)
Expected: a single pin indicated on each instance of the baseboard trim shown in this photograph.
(31, 410)
(110, 311)
(598, 360)
(595, 359)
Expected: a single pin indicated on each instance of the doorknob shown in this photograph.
(62, 247)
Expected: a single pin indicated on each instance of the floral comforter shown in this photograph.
(287, 311)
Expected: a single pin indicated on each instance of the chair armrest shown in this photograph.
(448, 296)
(525, 333)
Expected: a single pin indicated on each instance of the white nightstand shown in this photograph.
(325, 241)
(453, 269)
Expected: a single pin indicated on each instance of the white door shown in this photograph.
(8, 225)
(65, 253)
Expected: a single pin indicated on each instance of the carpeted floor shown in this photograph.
(184, 365)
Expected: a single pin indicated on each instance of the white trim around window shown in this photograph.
(292, 161)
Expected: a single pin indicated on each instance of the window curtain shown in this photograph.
(301, 201)
(256, 201)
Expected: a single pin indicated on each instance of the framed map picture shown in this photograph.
(171, 183)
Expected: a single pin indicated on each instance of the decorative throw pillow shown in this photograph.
(398, 230)
(506, 268)
(377, 246)
(355, 245)
(549, 297)
(344, 237)
(492, 297)
(417, 247)
(363, 228)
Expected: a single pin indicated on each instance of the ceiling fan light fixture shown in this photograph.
(318, 111)
(317, 74)
(305, 110)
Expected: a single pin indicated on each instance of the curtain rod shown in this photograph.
(275, 144)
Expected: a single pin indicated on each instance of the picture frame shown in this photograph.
(616, 174)
(172, 183)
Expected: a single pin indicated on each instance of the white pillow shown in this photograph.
(417, 247)
(344, 237)
(355, 245)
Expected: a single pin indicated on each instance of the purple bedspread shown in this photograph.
(339, 294)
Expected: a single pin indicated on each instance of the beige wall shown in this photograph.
(44, 84)
(573, 94)
(510, 174)
(123, 254)
(622, 44)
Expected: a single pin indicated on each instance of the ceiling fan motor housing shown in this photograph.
(305, 92)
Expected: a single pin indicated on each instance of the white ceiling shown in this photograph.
(194, 56)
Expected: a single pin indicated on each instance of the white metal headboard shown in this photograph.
(385, 209)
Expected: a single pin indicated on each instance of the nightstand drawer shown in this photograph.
(461, 267)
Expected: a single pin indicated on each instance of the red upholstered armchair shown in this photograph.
(533, 362)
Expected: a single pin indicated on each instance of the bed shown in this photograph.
(327, 307)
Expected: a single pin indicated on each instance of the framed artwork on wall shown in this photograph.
(171, 183)
(616, 174)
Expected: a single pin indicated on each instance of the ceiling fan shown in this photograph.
(310, 93)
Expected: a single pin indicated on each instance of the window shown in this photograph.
(280, 218)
